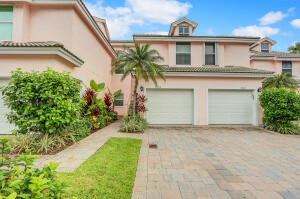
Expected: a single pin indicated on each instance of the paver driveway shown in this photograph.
(218, 163)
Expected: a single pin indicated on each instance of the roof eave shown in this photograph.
(214, 74)
(43, 51)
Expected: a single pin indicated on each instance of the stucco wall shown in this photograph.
(236, 54)
(65, 24)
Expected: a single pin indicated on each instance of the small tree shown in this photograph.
(295, 49)
(139, 62)
(45, 102)
(283, 80)
(281, 107)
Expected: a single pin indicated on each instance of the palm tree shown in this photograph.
(295, 49)
(283, 80)
(139, 62)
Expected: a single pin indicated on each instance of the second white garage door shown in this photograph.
(230, 106)
(170, 106)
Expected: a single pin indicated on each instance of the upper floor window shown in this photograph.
(287, 67)
(183, 53)
(265, 47)
(184, 31)
(6, 23)
(210, 54)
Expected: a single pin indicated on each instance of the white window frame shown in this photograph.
(291, 68)
(190, 53)
(122, 99)
(8, 22)
(184, 32)
(264, 49)
(216, 53)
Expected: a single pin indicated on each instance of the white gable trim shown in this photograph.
(42, 51)
(262, 40)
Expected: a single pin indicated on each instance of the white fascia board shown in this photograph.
(276, 58)
(41, 51)
(189, 39)
(205, 74)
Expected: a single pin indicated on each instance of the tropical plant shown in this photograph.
(49, 143)
(45, 102)
(283, 80)
(295, 49)
(281, 107)
(140, 62)
(20, 180)
(140, 103)
(132, 124)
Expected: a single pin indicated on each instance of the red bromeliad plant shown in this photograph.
(109, 102)
(89, 95)
(140, 103)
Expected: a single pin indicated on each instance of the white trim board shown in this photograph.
(276, 58)
(206, 74)
(41, 51)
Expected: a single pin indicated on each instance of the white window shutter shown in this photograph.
(203, 50)
(216, 53)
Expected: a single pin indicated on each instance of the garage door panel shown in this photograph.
(170, 106)
(230, 106)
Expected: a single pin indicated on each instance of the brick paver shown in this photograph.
(218, 163)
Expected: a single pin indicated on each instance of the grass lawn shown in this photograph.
(109, 173)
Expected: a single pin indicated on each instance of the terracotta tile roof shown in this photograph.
(37, 44)
(216, 69)
(276, 54)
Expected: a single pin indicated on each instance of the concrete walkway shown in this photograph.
(72, 157)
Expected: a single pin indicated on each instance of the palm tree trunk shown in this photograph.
(134, 95)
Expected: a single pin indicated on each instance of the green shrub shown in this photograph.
(45, 102)
(79, 129)
(133, 124)
(20, 180)
(281, 107)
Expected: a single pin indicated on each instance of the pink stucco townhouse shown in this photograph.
(210, 79)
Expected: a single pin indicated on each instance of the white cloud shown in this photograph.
(296, 23)
(159, 11)
(137, 12)
(272, 17)
(254, 30)
(210, 31)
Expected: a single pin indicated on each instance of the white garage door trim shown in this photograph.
(254, 105)
(195, 105)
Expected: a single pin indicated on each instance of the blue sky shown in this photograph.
(278, 19)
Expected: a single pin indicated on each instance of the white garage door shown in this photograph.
(170, 106)
(230, 107)
(5, 127)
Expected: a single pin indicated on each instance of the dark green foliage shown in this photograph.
(20, 180)
(295, 49)
(113, 115)
(80, 129)
(283, 80)
(281, 107)
(131, 124)
(45, 102)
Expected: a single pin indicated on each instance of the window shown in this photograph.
(184, 31)
(287, 67)
(265, 47)
(119, 101)
(121, 71)
(6, 23)
(210, 54)
(183, 54)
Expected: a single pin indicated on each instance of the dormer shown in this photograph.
(263, 45)
(102, 25)
(182, 27)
